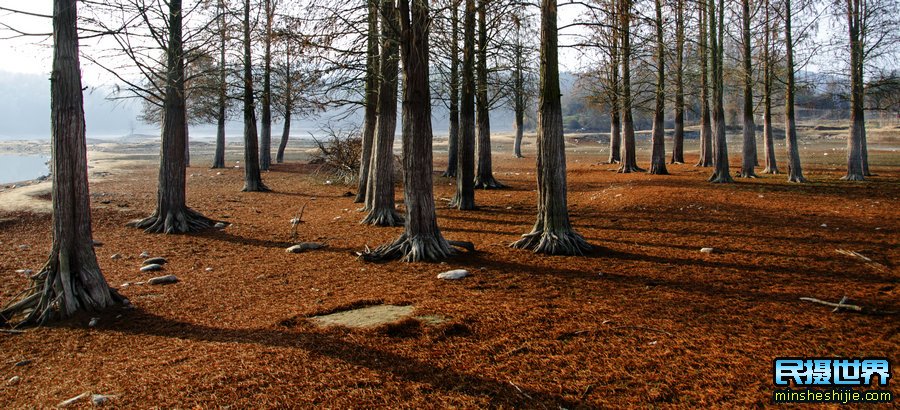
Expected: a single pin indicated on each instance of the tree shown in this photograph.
(658, 154)
(717, 53)
(219, 156)
(768, 79)
(615, 120)
(172, 215)
(484, 174)
(552, 233)
(71, 280)
(265, 149)
(453, 139)
(678, 137)
(465, 181)
(380, 192)
(371, 104)
(252, 178)
(421, 239)
(629, 152)
(795, 172)
(749, 160)
(706, 152)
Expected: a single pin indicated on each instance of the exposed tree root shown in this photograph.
(257, 186)
(771, 170)
(450, 173)
(518, 156)
(721, 178)
(800, 179)
(406, 249)
(57, 293)
(703, 164)
(676, 162)
(613, 161)
(464, 206)
(383, 217)
(184, 220)
(565, 242)
(488, 183)
(853, 177)
(658, 170)
(627, 169)
(747, 174)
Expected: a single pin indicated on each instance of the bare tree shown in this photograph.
(484, 174)
(465, 181)
(552, 232)
(748, 160)
(219, 156)
(795, 172)
(252, 178)
(717, 51)
(453, 139)
(371, 115)
(265, 148)
(629, 148)
(70, 281)
(678, 136)
(768, 79)
(706, 151)
(658, 154)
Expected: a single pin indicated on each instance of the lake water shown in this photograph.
(16, 168)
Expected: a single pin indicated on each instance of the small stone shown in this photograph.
(13, 381)
(25, 272)
(152, 268)
(599, 273)
(99, 399)
(209, 269)
(73, 400)
(23, 363)
(220, 225)
(824, 225)
(116, 257)
(305, 246)
(24, 247)
(98, 244)
(163, 280)
(707, 250)
(155, 261)
(94, 321)
(145, 254)
(453, 274)
(218, 173)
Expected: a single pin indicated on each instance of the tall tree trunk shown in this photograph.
(484, 173)
(748, 160)
(421, 239)
(371, 119)
(716, 48)
(658, 154)
(706, 157)
(629, 149)
(172, 215)
(380, 192)
(678, 137)
(615, 122)
(265, 146)
(552, 233)
(465, 181)
(187, 139)
(768, 137)
(219, 157)
(856, 171)
(252, 178)
(453, 140)
(71, 280)
(795, 172)
(519, 91)
(288, 106)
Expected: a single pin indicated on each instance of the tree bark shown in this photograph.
(706, 157)
(795, 172)
(768, 137)
(658, 154)
(371, 116)
(615, 123)
(288, 107)
(552, 233)
(716, 40)
(678, 136)
(172, 216)
(380, 192)
(70, 281)
(453, 140)
(629, 151)
(464, 198)
(219, 157)
(421, 239)
(252, 178)
(265, 149)
(748, 160)
(484, 174)
(518, 91)
(856, 171)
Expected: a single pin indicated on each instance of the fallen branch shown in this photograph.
(875, 265)
(644, 328)
(469, 246)
(837, 306)
(11, 331)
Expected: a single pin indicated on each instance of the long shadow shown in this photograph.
(332, 346)
(223, 236)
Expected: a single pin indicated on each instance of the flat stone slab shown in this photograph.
(155, 261)
(305, 246)
(453, 274)
(368, 316)
(152, 268)
(163, 280)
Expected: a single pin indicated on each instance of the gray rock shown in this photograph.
(209, 269)
(305, 246)
(155, 261)
(23, 363)
(25, 272)
(152, 268)
(220, 225)
(24, 247)
(94, 321)
(145, 254)
(453, 274)
(163, 280)
(707, 250)
(98, 244)
(73, 400)
(99, 399)
(116, 257)
(13, 381)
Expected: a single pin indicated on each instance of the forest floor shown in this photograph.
(644, 320)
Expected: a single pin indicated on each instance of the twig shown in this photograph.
(875, 265)
(522, 392)
(12, 331)
(644, 328)
(837, 306)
